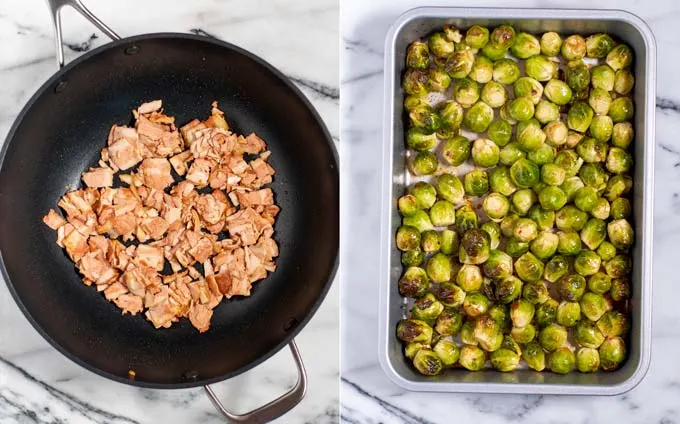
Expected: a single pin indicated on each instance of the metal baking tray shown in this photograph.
(625, 26)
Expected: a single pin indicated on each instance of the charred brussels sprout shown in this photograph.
(476, 182)
(502, 36)
(466, 219)
(587, 334)
(546, 111)
(496, 206)
(545, 245)
(407, 204)
(620, 233)
(587, 263)
(529, 268)
(431, 241)
(620, 289)
(623, 82)
(558, 92)
(612, 353)
(619, 266)
(562, 361)
(439, 268)
(556, 268)
(427, 309)
(418, 55)
(500, 132)
(508, 289)
(452, 34)
(540, 68)
(475, 304)
(460, 63)
(425, 163)
(552, 337)
(577, 75)
(526, 45)
(414, 282)
(613, 324)
(466, 92)
(530, 88)
(599, 283)
(469, 278)
(494, 232)
(415, 82)
(602, 76)
(447, 351)
(522, 201)
(412, 258)
(427, 362)
(568, 314)
(524, 173)
(408, 238)
(499, 265)
(478, 117)
(457, 150)
(574, 47)
(505, 71)
(521, 313)
(414, 331)
(449, 294)
(451, 115)
(494, 94)
(594, 233)
(420, 140)
(449, 322)
(450, 188)
(535, 292)
(599, 45)
(476, 36)
(600, 100)
(619, 161)
(474, 247)
(482, 70)
(546, 313)
(593, 306)
(621, 109)
(571, 287)
(440, 46)
(442, 213)
(620, 57)
(472, 358)
(579, 116)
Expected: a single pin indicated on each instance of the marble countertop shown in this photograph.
(367, 395)
(39, 385)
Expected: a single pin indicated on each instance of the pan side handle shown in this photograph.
(55, 9)
(275, 408)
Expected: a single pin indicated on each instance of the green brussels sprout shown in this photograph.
(601, 128)
(544, 219)
(439, 268)
(450, 188)
(496, 206)
(469, 278)
(535, 292)
(620, 233)
(504, 360)
(601, 209)
(407, 204)
(482, 70)
(620, 57)
(499, 265)
(440, 46)
(449, 294)
(613, 324)
(522, 201)
(543, 155)
(619, 266)
(570, 218)
(573, 139)
(474, 247)
(622, 134)
(600, 100)
(521, 108)
(448, 242)
(592, 150)
(415, 82)
(420, 140)
(587, 360)
(443, 213)
(466, 92)
(524, 173)
(599, 283)
(606, 251)
(523, 335)
(516, 248)
(472, 358)
(571, 287)
(424, 163)
(502, 36)
(414, 282)
(521, 313)
(418, 55)
(612, 353)
(466, 331)
(568, 314)
(562, 360)
(617, 186)
(494, 232)
(556, 133)
(540, 68)
(501, 315)
(602, 76)
(526, 45)
(556, 268)
(545, 245)
(439, 80)
(623, 82)
(552, 337)
(569, 242)
(599, 45)
(412, 258)
(593, 306)
(427, 362)
(494, 94)
(620, 289)
(413, 101)
(447, 351)
(593, 234)
(451, 33)
(500, 181)
(570, 161)
(511, 153)
(494, 52)
(546, 313)
(508, 224)
(525, 230)
(551, 43)
(431, 241)
(427, 309)
(475, 304)
(476, 182)
(534, 356)
(552, 198)
(508, 289)
(466, 218)
(621, 208)
(558, 92)
(621, 109)
(587, 263)
(476, 36)
(594, 175)
(587, 334)
(585, 198)
(500, 132)
(574, 47)
(546, 111)
(449, 322)
(450, 115)
(619, 161)
(459, 64)
(579, 116)
(478, 117)
(411, 349)
(505, 71)
(408, 238)
(414, 331)
(457, 150)
(487, 332)
(425, 195)
(530, 88)
(553, 174)
(577, 75)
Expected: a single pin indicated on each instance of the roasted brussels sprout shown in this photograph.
(580, 116)
(450, 115)
(546, 313)
(540, 68)
(501, 182)
(457, 150)
(469, 278)
(476, 182)
(620, 57)
(544, 219)
(619, 266)
(411, 349)
(502, 36)
(593, 306)
(504, 360)
(571, 287)
(529, 88)
(593, 234)
(621, 109)
(620, 233)
(599, 283)
(601, 209)
(525, 46)
(523, 200)
(449, 242)
(472, 358)
(530, 137)
(569, 243)
(440, 46)
(552, 198)
(466, 92)
(447, 351)
(568, 314)
(587, 360)
(442, 213)
(613, 324)
(496, 206)
(558, 92)
(524, 173)
(425, 194)
(439, 80)
(482, 70)
(546, 111)
(414, 331)
(585, 198)
(622, 135)
(413, 101)
(466, 333)
(592, 150)
(523, 335)
(505, 71)
(534, 356)
(570, 161)
(528, 267)
(577, 75)
(545, 245)
(587, 334)
(562, 361)
(587, 263)
(449, 294)
(412, 258)
(415, 82)
(487, 333)
(612, 353)
(574, 47)
(414, 282)
(431, 241)
(552, 337)
(535, 292)
(450, 188)
(623, 82)
(494, 94)
(427, 309)
(439, 268)
(617, 186)
(600, 100)
(556, 133)
(516, 248)
(427, 362)
(474, 247)
(466, 218)
(510, 153)
(459, 64)
(620, 289)
(508, 289)
(408, 205)
(621, 208)
(408, 238)
(476, 36)
(594, 175)
(449, 322)
(606, 251)
(602, 76)
(601, 128)
(521, 313)
(475, 304)
(619, 161)
(543, 155)
(485, 153)
(425, 118)
(424, 163)
(570, 218)
(418, 55)
(556, 268)
(452, 34)
(599, 45)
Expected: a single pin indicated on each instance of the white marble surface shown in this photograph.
(39, 385)
(368, 396)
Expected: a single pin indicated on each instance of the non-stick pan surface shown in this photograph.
(60, 133)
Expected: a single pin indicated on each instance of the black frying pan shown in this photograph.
(60, 132)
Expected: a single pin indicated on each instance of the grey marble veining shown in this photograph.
(39, 385)
(368, 396)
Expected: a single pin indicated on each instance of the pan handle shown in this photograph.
(55, 9)
(275, 408)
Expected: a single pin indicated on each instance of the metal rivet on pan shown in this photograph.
(132, 50)
(290, 324)
(191, 375)
(61, 86)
